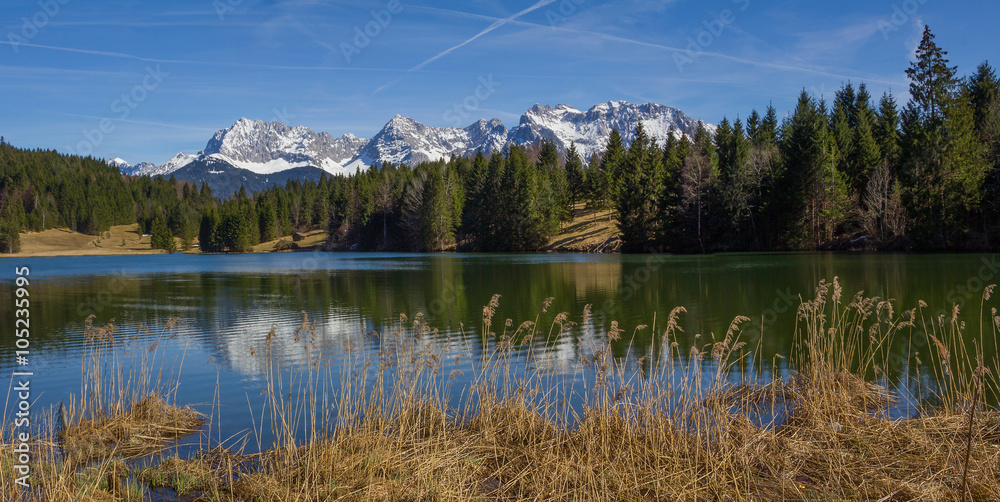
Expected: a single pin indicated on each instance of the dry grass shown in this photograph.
(81, 451)
(675, 423)
(314, 239)
(147, 427)
(120, 239)
(590, 231)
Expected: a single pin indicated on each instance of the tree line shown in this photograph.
(847, 173)
(850, 173)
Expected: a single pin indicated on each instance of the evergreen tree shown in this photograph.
(235, 229)
(864, 157)
(437, 226)
(474, 216)
(209, 233)
(575, 175)
(769, 127)
(10, 238)
(984, 91)
(675, 153)
(754, 127)
(162, 237)
(597, 183)
(810, 194)
(638, 216)
(613, 165)
(886, 131)
(556, 199)
(943, 172)
(724, 144)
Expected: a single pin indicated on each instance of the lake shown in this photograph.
(227, 304)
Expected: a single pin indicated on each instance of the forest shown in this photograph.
(850, 173)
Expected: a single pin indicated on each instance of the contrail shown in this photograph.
(140, 122)
(614, 38)
(123, 55)
(498, 22)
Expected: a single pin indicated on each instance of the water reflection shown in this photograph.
(227, 306)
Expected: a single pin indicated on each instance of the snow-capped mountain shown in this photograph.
(261, 150)
(130, 170)
(590, 130)
(408, 141)
(267, 148)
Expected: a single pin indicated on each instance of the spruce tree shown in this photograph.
(753, 127)
(802, 150)
(575, 175)
(637, 203)
(985, 101)
(942, 173)
(886, 131)
(436, 221)
(864, 157)
(162, 237)
(612, 165)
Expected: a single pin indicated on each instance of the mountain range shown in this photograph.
(258, 154)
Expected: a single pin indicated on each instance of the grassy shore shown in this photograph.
(128, 240)
(120, 239)
(590, 231)
(703, 422)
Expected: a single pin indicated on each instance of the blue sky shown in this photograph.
(161, 77)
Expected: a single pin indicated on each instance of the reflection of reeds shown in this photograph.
(678, 422)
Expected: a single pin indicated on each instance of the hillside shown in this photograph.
(590, 231)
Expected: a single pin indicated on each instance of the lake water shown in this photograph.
(227, 304)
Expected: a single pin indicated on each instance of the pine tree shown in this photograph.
(637, 202)
(556, 199)
(10, 238)
(803, 151)
(209, 232)
(753, 127)
(597, 183)
(612, 165)
(436, 222)
(699, 215)
(675, 153)
(864, 157)
(985, 101)
(943, 172)
(886, 131)
(474, 217)
(162, 237)
(575, 175)
(769, 127)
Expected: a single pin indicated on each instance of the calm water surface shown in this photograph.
(226, 305)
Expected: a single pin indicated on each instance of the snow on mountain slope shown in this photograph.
(127, 169)
(590, 130)
(265, 148)
(176, 162)
(406, 140)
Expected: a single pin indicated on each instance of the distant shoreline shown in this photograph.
(122, 240)
(590, 232)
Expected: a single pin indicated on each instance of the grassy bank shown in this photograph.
(129, 240)
(679, 422)
(590, 231)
